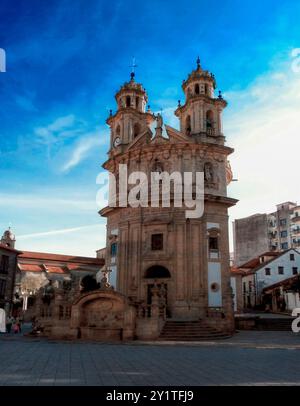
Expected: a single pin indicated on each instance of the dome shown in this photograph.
(131, 87)
(199, 74)
(8, 235)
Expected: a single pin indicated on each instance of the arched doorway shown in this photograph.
(160, 276)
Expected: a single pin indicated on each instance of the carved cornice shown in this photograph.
(166, 149)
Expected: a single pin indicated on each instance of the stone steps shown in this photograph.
(275, 324)
(189, 331)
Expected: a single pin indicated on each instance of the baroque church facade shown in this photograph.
(172, 270)
(185, 261)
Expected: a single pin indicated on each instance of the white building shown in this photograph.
(277, 269)
(266, 270)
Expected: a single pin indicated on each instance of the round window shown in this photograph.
(215, 287)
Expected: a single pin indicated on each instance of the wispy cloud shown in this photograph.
(70, 140)
(53, 132)
(59, 232)
(37, 201)
(83, 148)
(263, 127)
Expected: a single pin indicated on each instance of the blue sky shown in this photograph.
(66, 59)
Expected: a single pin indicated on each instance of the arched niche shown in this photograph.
(157, 272)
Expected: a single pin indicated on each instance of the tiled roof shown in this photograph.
(236, 271)
(254, 262)
(284, 282)
(30, 267)
(57, 263)
(62, 258)
(55, 269)
(75, 267)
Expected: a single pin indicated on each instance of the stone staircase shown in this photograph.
(189, 331)
(275, 324)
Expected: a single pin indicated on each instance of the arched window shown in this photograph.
(197, 90)
(188, 125)
(118, 130)
(88, 283)
(136, 130)
(128, 101)
(213, 243)
(209, 120)
(157, 271)
(137, 102)
(206, 89)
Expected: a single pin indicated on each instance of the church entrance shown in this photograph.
(158, 275)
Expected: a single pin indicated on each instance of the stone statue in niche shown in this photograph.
(159, 120)
(159, 124)
(208, 172)
(157, 167)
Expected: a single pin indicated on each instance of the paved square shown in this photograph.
(249, 358)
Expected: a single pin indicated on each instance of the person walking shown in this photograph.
(17, 328)
(9, 322)
(2, 321)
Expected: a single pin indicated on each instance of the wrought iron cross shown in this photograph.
(133, 66)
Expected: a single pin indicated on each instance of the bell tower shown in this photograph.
(201, 115)
(8, 238)
(131, 118)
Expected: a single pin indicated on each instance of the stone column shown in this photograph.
(201, 108)
(219, 122)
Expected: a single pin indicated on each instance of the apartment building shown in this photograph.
(277, 231)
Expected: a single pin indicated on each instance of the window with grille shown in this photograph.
(157, 242)
(213, 244)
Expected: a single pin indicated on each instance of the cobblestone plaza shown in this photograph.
(249, 358)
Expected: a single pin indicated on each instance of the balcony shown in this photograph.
(210, 131)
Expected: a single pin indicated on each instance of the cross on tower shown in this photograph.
(133, 66)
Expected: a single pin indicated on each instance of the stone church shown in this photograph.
(173, 273)
(186, 259)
